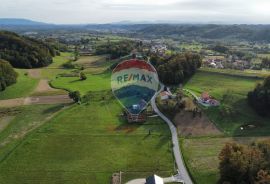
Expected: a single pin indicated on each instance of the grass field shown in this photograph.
(234, 111)
(86, 144)
(201, 156)
(24, 86)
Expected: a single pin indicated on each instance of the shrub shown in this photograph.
(82, 76)
(75, 96)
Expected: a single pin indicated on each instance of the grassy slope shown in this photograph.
(24, 86)
(236, 88)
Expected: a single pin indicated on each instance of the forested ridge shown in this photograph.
(22, 52)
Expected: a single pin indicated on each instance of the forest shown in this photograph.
(22, 52)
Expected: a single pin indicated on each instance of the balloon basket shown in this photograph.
(136, 118)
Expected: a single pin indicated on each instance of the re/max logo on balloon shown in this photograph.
(134, 77)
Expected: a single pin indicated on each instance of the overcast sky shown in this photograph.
(105, 11)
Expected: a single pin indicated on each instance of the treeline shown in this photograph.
(210, 31)
(22, 52)
(245, 164)
(7, 75)
(116, 49)
(259, 98)
(176, 68)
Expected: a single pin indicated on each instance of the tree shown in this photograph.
(259, 98)
(82, 76)
(8, 76)
(266, 63)
(220, 48)
(75, 96)
(244, 164)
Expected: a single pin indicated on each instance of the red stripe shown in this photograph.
(134, 63)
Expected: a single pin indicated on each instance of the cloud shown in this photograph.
(102, 11)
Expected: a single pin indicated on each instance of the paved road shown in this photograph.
(182, 171)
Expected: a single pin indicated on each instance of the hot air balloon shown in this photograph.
(134, 82)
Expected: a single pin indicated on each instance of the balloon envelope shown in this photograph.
(134, 82)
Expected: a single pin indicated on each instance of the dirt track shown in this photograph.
(34, 73)
(56, 99)
(43, 86)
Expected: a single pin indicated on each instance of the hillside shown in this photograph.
(22, 52)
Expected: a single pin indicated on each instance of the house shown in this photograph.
(205, 96)
(154, 180)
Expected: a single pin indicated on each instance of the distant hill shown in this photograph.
(210, 31)
(19, 22)
(22, 52)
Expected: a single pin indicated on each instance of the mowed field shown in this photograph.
(234, 111)
(87, 143)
